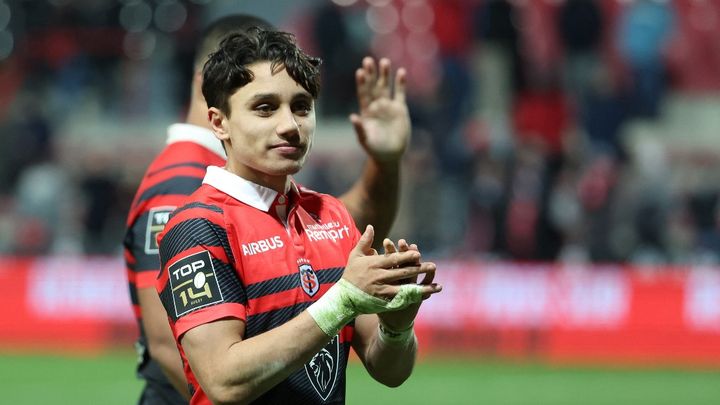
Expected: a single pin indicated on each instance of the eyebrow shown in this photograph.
(265, 96)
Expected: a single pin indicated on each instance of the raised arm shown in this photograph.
(382, 125)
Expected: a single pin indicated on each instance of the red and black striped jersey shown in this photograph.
(176, 172)
(237, 249)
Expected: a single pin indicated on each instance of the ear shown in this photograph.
(219, 124)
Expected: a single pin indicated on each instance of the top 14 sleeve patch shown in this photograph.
(194, 283)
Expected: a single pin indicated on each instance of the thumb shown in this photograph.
(364, 245)
(359, 128)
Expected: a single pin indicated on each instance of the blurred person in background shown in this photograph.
(643, 34)
(178, 171)
(101, 190)
(580, 25)
(339, 51)
(47, 219)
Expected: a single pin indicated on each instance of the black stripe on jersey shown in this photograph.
(259, 323)
(330, 275)
(181, 185)
(176, 165)
(288, 282)
(167, 301)
(190, 233)
(197, 205)
(229, 281)
(272, 286)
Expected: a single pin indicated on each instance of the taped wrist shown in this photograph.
(334, 309)
(396, 338)
(344, 301)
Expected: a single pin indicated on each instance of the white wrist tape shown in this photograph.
(344, 301)
(396, 338)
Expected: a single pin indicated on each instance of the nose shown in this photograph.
(287, 123)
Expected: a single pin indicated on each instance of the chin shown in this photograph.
(286, 170)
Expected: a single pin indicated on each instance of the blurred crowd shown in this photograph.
(569, 130)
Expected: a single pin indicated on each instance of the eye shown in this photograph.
(264, 109)
(302, 108)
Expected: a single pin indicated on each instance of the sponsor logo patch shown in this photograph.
(262, 245)
(157, 219)
(308, 279)
(322, 369)
(194, 283)
(331, 231)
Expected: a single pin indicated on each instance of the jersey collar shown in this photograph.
(193, 133)
(245, 191)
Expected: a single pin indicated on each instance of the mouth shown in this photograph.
(288, 149)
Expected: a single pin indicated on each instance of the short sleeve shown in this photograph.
(198, 282)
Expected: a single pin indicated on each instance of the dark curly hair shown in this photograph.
(219, 29)
(226, 69)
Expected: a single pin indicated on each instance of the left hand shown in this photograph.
(403, 318)
(383, 123)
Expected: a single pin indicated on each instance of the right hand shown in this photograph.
(378, 275)
(383, 122)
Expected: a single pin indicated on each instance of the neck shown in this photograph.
(197, 114)
(198, 110)
(281, 184)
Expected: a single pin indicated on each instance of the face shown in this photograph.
(270, 128)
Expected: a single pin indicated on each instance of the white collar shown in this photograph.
(245, 191)
(182, 132)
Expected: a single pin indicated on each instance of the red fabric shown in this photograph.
(541, 117)
(452, 26)
(264, 252)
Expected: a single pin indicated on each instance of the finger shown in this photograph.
(363, 88)
(398, 259)
(403, 245)
(364, 245)
(400, 79)
(428, 290)
(382, 87)
(389, 246)
(433, 288)
(428, 278)
(368, 64)
(405, 272)
(391, 291)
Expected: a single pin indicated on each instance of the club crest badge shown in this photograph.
(308, 279)
(322, 369)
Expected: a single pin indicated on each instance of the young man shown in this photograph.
(178, 171)
(268, 285)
